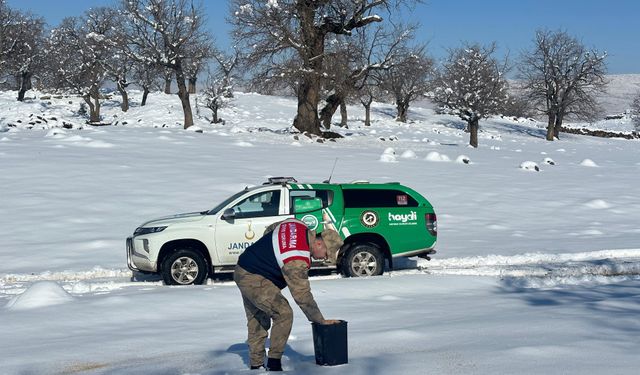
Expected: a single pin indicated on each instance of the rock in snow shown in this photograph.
(530, 166)
(463, 159)
(40, 294)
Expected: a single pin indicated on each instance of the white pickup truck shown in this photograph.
(378, 222)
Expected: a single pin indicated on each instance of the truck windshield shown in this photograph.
(224, 203)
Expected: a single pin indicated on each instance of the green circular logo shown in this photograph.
(310, 221)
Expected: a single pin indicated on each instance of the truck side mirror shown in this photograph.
(229, 214)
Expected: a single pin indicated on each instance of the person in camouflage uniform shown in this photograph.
(281, 258)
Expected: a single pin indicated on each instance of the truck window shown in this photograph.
(325, 195)
(266, 203)
(363, 198)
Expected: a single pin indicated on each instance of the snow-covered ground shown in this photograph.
(536, 270)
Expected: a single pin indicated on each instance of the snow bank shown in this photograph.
(40, 294)
(389, 156)
(409, 154)
(597, 204)
(588, 163)
(436, 156)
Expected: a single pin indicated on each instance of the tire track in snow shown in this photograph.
(534, 269)
(543, 270)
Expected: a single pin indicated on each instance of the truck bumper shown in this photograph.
(137, 261)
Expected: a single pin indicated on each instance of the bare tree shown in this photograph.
(352, 61)
(282, 78)
(216, 96)
(561, 77)
(227, 69)
(296, 30)
(408, 79)
(517, 105)
(76, 52)
(337, 82)
(7, 41)
(21, 43)
(199, 55)
(369, 92)
(218, 91)
(163, 32)
(635, 112)
(146, 75)
(107, 21)
(471, 84)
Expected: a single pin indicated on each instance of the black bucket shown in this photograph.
(330, 343)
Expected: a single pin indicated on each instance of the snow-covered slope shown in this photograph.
(621, 89)
(536, 270)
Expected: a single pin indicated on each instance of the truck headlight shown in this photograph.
(148, 230)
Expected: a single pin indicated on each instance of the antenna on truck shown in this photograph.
(331, 175)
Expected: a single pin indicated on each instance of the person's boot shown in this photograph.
(274, 364)
(257, 367)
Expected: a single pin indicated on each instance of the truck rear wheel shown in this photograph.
(184, 267)
(363, 260)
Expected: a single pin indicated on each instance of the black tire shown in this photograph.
(362, 260)
(184, 267)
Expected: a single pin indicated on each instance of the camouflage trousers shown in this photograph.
(263, 302)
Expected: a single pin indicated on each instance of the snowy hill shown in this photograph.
(621, 90)
(536, 271)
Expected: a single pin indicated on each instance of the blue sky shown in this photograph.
(610, 25)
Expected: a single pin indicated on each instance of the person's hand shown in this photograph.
(331, 321)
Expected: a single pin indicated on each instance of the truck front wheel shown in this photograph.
(184, 267)
(363, 260)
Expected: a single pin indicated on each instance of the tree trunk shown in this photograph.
(558, 125)
(227, 83)
(306, 119)
(551, 126)
(473, 132)
(25, 85)
(87, 99)
(343, 114)
(93, 100)
(403, 108)
(183, 94)
(167, 85)
(214, 119)
(367, 114)
(367, 110)
(145, 94)
(125, 96)
(326, 113)
(192, 85)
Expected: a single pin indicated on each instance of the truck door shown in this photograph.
(251, 216)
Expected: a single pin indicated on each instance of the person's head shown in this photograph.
(326, 245)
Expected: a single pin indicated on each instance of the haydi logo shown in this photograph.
(403, 218)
